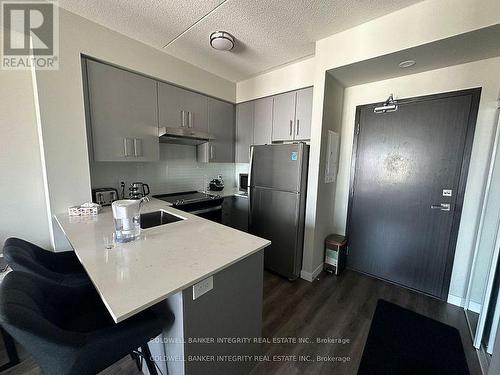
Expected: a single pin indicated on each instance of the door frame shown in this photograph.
(469, 138)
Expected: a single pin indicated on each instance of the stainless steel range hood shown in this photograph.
(183, 136)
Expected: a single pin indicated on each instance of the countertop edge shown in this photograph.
(123, 317)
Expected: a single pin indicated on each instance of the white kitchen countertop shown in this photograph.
(167, 259)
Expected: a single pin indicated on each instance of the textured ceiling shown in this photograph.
(459, 49)
(269, 33)
(153, 22)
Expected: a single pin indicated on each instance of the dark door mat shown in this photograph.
(401, 341)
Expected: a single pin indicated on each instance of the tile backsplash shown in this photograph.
(177, 170)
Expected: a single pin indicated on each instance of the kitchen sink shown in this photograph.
(156, 218)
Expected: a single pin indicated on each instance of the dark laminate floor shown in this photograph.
(330, 307)
(339, 308)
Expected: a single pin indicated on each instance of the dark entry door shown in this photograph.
(407, 185)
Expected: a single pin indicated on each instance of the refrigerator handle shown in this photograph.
(249, 187)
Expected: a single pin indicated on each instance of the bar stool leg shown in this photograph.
(149, 360)
(10, 347)
(137, 359)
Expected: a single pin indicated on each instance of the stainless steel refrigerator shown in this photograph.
(277, 194)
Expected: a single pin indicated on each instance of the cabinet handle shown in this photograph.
(298, 126)
(127, 146)
(183, 118)
(211, 152)
(138, 147)
(291, 124)
(190, 119)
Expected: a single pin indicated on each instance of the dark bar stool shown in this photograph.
(68, 330)
(63, 268)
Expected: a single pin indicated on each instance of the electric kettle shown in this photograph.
(138, 190)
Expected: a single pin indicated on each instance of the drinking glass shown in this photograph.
(109, 240)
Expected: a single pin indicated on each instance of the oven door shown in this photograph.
(209, 209)
(210, 213)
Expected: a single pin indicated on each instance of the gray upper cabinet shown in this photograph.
(196, 107)
(170, 111)
(303, 114)
(284, 117)
(123, 114)
(221, 126)
(263, 121)
(178, 107)
(281, 118)
(244, 131)
(292, 113)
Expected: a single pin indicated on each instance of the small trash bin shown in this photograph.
(335, 253)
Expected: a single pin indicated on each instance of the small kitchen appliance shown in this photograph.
(243, 183)
(126, 217)
(217, 184)
(138, 190)
(104, 196)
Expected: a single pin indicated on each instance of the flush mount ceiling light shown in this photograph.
(406, 63)
(222, 41)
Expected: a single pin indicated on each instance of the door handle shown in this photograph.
(249, 186)
(441, 206)
(298, 126)
(291, 124)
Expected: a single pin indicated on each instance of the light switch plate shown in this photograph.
(202, 287)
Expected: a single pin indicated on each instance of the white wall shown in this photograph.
(286, 78)
(412, 26)
(323, 216)
(24, 210)
(415, 25)
(61, 99)
(488, 232)
(477, 74)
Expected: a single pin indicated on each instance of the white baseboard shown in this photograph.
(455, 300)
(475, 307)
(310, 276)
(459, 301)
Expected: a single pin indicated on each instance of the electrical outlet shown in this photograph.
(202, 287)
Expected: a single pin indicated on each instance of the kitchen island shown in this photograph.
(164, 265)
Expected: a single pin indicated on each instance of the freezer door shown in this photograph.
(278, 167)
(274, 215)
